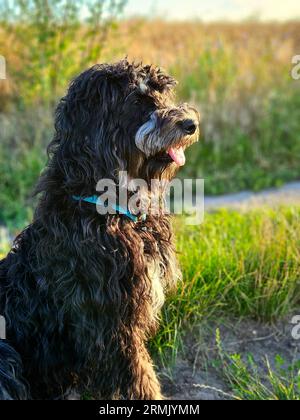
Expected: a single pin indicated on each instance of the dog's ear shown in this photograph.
(91, 99)
(158, 80)
(63, 119)
(84, 100)
(83, 147)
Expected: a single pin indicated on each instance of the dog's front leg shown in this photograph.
(143, 383)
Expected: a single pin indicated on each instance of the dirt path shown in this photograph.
(195, 378)
(286, 195)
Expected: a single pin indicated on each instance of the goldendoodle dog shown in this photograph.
(81, 291)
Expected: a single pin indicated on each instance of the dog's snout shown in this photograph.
(189, 126)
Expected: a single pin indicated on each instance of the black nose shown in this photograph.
(189, 126)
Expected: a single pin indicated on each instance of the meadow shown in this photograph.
(235, 266)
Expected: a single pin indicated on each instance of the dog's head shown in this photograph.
(122, 117)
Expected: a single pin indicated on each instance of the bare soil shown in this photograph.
(195, 378)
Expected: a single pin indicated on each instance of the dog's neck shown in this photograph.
(119, 209)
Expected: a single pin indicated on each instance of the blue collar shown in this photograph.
(96, 200)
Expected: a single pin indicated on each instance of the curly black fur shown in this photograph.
(77, 289)
(13, 386)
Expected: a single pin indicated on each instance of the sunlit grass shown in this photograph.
(234, 265)
(4, 243)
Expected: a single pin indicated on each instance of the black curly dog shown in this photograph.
(80, 291)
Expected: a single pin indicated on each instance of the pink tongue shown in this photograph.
(177, 155)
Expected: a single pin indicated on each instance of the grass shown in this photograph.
(4, 243)
(243, 265)
(263, 156)
(247, 382)
(24, 138)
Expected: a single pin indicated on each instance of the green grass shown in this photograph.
(24, 138)
(247, 381)
(4, 244)
(244, 265)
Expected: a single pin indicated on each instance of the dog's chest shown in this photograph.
(157, 290)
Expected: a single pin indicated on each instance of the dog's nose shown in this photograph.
(189, 126)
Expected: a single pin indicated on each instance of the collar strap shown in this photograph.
(97, 201)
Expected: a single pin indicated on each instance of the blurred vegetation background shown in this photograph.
(238, 74)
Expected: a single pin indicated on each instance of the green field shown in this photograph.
(236, 266)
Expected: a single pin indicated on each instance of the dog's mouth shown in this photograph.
(177, 154)
(174, 154)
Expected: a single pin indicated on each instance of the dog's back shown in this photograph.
(12, 383)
